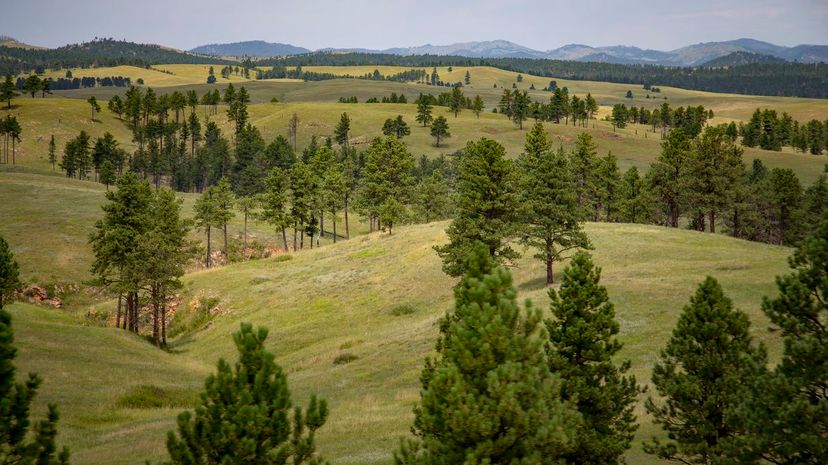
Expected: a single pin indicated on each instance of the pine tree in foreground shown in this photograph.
(582, 344)
(15, 405)
(699, 374)
(245, 414)
(489, 398)
(786, 410)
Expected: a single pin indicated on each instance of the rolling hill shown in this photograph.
(742, 58)
(251, 48)
(377, 298)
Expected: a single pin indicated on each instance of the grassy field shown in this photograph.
(635, 145)
(346, 298)
(47, 221)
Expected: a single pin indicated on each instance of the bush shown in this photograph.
(404, 309)
(345, 357)
(147, 396)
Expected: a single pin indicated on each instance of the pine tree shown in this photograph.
(487, 206)
(116, 241)
(635, 201)
(439, 130)
(699, 375)
(245, 414)
(488, 397)
(433, 197)
(93, 104)
(207, 217)
(342, 129)
(477, 106)
(785, 410)
(667, 173)
(396, 127)
(387, 175)
(582, 344)
(584, 163)
(223, 200)
(550, 215)
(711, 169)
(456, 101)
(8, 91)
(15, 406)
(424, 112)
(9, 274)
(274, 202)
(52, 152)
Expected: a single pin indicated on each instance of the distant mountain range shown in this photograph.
(748, 50)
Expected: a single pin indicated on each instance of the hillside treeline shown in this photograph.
(777, 79)
(98, 53)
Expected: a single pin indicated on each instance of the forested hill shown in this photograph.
(102, 52)
(774, 79)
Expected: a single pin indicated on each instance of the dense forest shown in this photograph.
(779, 79)
(100, 52)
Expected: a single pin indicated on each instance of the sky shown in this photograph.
(379, 24)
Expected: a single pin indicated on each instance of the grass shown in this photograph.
(338, 304)
(93, 374)
(47, 219)
(315, 104)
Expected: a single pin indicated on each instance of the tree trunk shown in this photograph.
(549, 261)
(244, 247)
(155, 314)
(334, 226)
(347, 232)
(294, 236)
(321, 224)
(164, 324)
(208, 247)
(118, 315)
(284, 238)
(712, 216)
(226, 258)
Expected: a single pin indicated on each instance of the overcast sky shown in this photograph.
(539, 24)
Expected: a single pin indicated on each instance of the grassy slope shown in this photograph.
(634, 145)
(340, 299)
(48, 219)
(86, 370)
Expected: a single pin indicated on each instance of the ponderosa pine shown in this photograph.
(488, 397)
(246, 414)
(699, 376)
(582, 345)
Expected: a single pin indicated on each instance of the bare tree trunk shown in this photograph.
(155, 314)
(321, 223)
(226, 258)
(118, 315)
(284, 238)
(549, 277)
(164, 324)
(244, 247)
(347, 231)
(333, 220)
(294, 236)
(208, 247)
(712, 216)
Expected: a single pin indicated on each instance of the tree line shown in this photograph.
(777, 79)
(768, 130)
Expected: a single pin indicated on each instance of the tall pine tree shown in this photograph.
(488, 398)
(245, 414)
(487, 206)
(582, 344)
(699, 376)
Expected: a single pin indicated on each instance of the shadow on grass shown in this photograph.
(533, 284)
